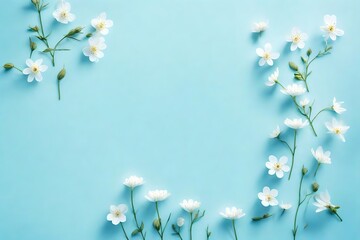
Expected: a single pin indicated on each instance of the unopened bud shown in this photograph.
(157, 224)
(304, 170)
(34, 29)
(74, 31)
(309, 51)
(61, 74)
(8, 66)
(315, 187)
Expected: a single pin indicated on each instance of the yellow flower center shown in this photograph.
(117, 213)
(267, 56)
(93, 49)
(331, 28)
(101, 25)
(35, 69)
(268, 197)
(337, 131)
(277, 166)
(296, 38)
(64, 14)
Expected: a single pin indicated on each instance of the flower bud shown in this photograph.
(35, 2)
(309, 51)
(8, 66)
(33, 45)
(157, 224)
(315, 187)
(304, 170)
(89, 35)
(74, 31)
(293, 66)
(61, 74)
(34, 29)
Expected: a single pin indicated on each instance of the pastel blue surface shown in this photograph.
(178, 99)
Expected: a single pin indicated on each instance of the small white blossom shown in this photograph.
(232, 213)
(133, 181)
(190, 205)
(274, 77)
(95, 49)
(157, 195)
(117, 214)
(259, 27)
(180, 222)
(34, 70)
(304, 102)
(276, 166)
(330, 29)
(276, 132)
(321, 156)
(102, 24)
(323, 202)
(297, 39)
(337, 107)
(296, 123)
(337, 128)
(268, 197)
(62, 13)
(285, 206)
(294, 90)
(267, 55)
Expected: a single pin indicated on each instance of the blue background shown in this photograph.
(178, 99)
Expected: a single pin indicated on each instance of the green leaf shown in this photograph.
(303, 60)
(135, 232)
(142, 226)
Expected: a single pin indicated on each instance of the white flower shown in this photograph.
(157, 195)
(34, 70)
(95, 49)
(259, 27)
(101, 24)
(321, 156)
(117, 214)
(274, 77)
(276, 132)
(296, 123)
(294, 90)
(337, 107)
(133, 181)
(304, 102)
(232, 213)
(330, 29)
(180, 222)
(285, 206)
(266, 55)
(268, 197)
(297, 39)
(337, 128)
(276, 166)
(322, 201)
(190, 205)
(62, 13)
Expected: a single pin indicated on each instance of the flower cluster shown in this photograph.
(278, 167)
(117, 214)
(63, 15)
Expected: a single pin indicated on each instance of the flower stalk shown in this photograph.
(139, 227)
(259, 218)
(194, 217)
(291, 149)
(160, 228)
(123, 229)
(234, 229)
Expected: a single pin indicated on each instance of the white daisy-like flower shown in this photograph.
(117, 214)
(34, 70)
(330, 29)
(232, 213)
(304, 102)
(268, 197)
(190, 205)
(259, 27)
(323, 201)
(95, 49)
(274, 77)
(296, 123)
(285, 206)
(133, 181)
(62, 13)
(297, 39)
(276, 132)
(102, 24)
(336, 107)
(276, 166)
(294, 90)
(267, 55)
(180, 222)
(337, 128)
(321, 156)
(157, 195)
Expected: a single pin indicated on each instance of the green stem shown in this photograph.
(322, 110)
(317, 168)
(59, 90)
(336, 214)
(234, 228)
(307, 116)
(54, 50)
(191, 224)
(18, 69)
(134, 214)
(297, 208)
(42, 32)
(122, 226)
(293, 154)
(161, 233)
